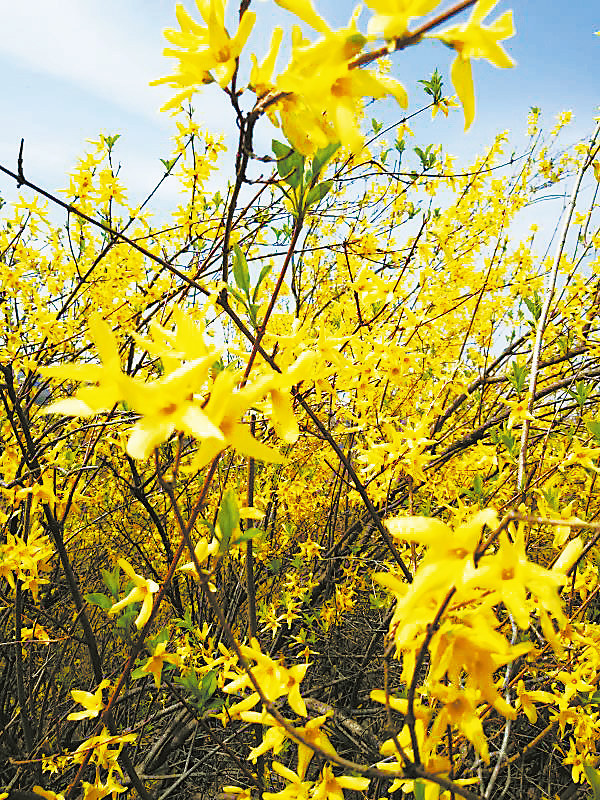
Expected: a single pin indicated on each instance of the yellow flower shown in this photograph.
(96, 791)
(273, 678)
(296, 788)
(203, 51)
(157, 659)
(202, 551)
(109, 376)
(573, 683)
(312, 732)
(102, 754)
(226, 407)
(569, 555)
(393, 16)
(37, 632)
(475, 40)
(261, 77)
(273, 737)
(444, 105)
(92, 702)
(459, 708)
(526, 700)
(322, 107)
(47, 794)
(445, 545)
(509, 574)
(142, 592)
(331, 787)
(518, 410)
(581, 455)
(167, 405)
(305, 11)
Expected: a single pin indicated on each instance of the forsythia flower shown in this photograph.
(331, 787)
(174, 403)
(509, 573)
(142, 592)
(273, 678)
(526, 699)
(518, 410)
(91, 701)
(156, 661)
(393, 16)
(324, 91)
(475, 40)
(204, 50)
(261, 76)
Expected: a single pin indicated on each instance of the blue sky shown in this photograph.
(75, 68)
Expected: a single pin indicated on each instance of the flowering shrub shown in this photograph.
(298, 487)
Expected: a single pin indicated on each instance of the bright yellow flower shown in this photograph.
(296, 788)
(91, 701)
(166, 404)
(47, 794)
(142, 592)
(305, 11)
(475, 40)
(261, 76)
(109, 376)
(96, 791)
(509, 574)
(324, 90)
(202, 551)
(519, 410)
(459, 708)
(273, 678)
(582, 456)
(526, 700)
(331, 787)
(156, 661)
(312, 732)
(204, 51)
(393, 16)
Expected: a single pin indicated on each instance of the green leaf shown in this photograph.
(208, 686)
(99, 599)
(377, 126)
(111, 580)
(433, 87)
(138, 673)
(239, 296)
(581, 392)
(163, 636)
(228, 519)
(126, 619)
(189, 681)
(534, 305)
(518, 376)
(321, 157)
(246, 536)
(168, 163)
(185, 623)
(263, 274)
(318, 192)
(419, 790)
(241, 273)
(593, 426)
(593, 777)
(290, 164)
(110, 141)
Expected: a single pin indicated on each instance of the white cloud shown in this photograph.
(95, 45)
